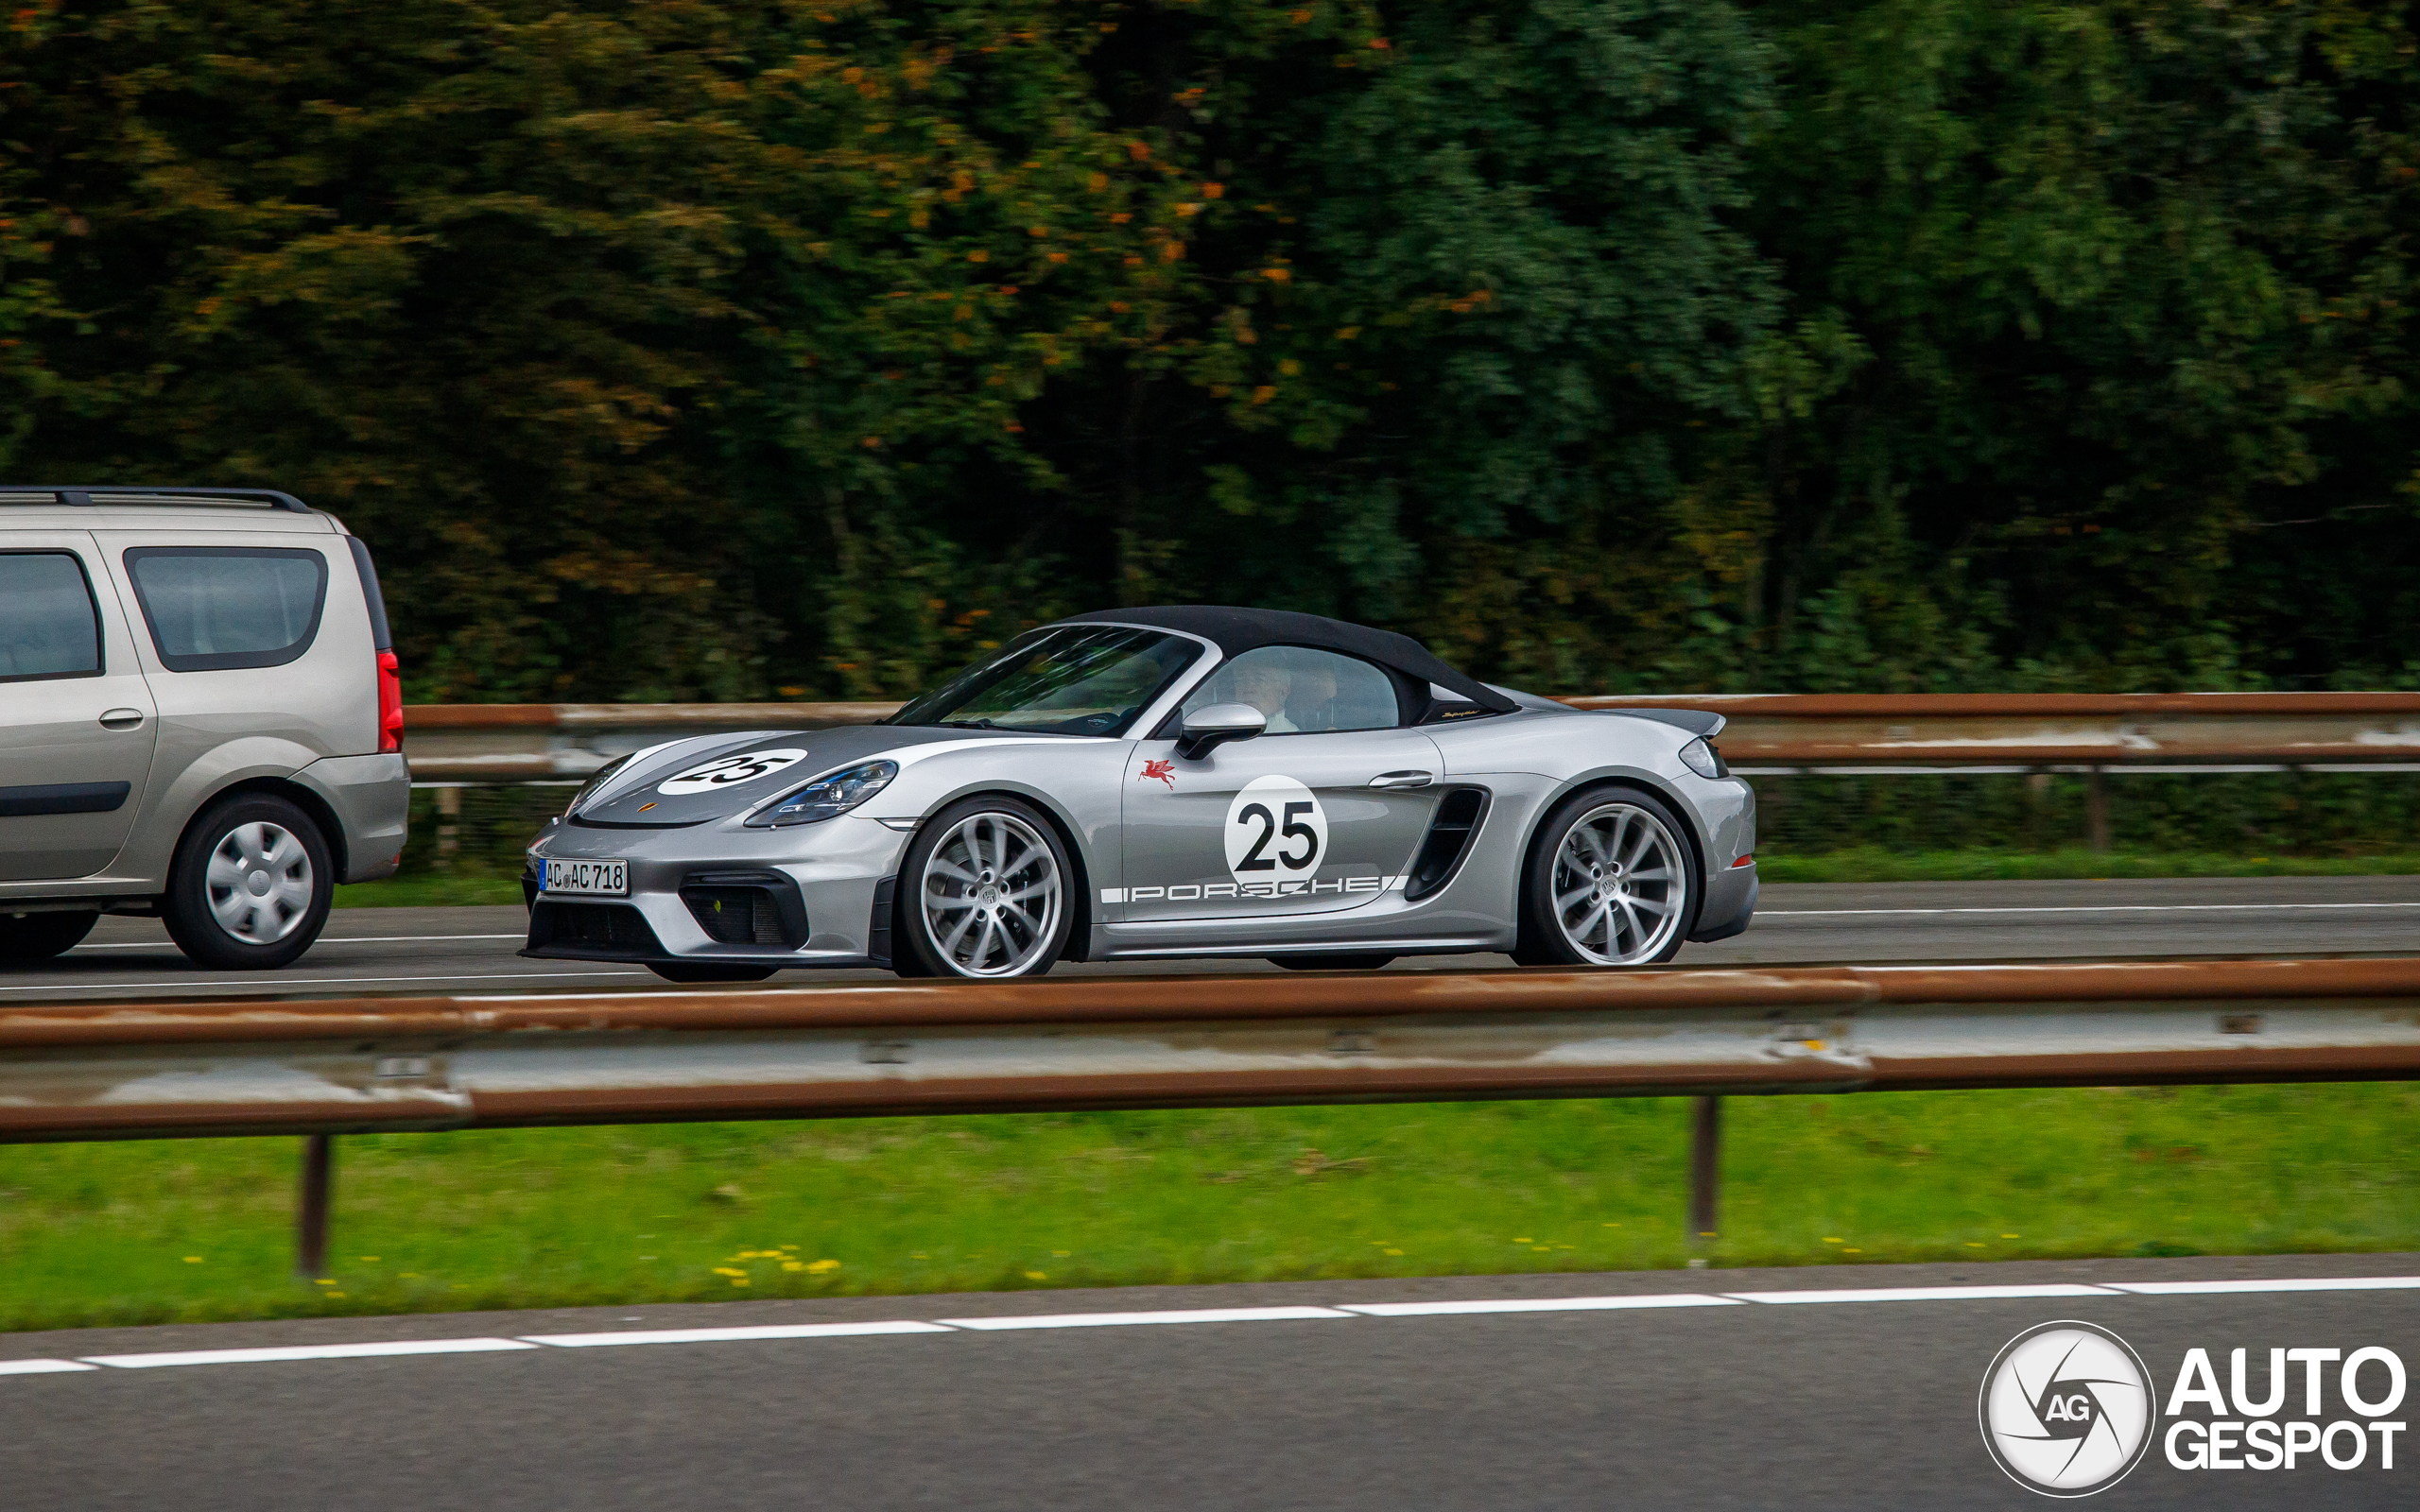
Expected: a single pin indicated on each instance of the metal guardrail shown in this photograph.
(491, 743)
(82, 1071)
(149, 1071)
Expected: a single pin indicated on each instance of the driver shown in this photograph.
(1268, 685)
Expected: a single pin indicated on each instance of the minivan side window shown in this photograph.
(49, 625)
(216, 607)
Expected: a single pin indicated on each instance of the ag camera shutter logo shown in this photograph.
(2066, 1409)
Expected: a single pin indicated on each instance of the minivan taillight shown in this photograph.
(391, 703)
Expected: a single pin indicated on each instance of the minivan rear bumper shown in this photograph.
(371, 797)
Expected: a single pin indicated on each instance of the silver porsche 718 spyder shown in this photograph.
(1161, 783)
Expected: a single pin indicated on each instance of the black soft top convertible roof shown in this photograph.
(1238, 631)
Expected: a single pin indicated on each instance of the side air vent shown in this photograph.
(747, 908)
(1459, 810)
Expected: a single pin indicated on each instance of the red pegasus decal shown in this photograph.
(1164, 771)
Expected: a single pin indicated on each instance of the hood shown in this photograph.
(691, 781)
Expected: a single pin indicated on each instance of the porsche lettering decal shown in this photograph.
(1185, 892)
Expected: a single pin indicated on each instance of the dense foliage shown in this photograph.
(709, 348)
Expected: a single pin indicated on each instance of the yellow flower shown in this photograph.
(820, 1266)
(1059, 1254)
(1037, 1275)
(193, 1259)
(793, 1265)
(725, 1270)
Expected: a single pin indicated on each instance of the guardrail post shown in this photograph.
(449, 826)
(311, 1207)
(1705, 1172)
(2096, 809)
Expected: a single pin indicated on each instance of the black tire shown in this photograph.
(190, 907)
(708, 971)
(915, 949)
(40, 936)
(1331, 963)
(1543, 943)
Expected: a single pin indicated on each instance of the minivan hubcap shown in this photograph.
(259, 882)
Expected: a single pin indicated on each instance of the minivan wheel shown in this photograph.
(250, 886)
(40, 936)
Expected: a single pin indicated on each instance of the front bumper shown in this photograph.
(812, 896)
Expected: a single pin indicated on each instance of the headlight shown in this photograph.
(833, 792)
(1704, 759)
(596, 779)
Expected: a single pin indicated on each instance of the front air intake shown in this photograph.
(760, 908)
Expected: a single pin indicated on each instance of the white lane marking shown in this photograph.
(2349, 1283)
(1209, 1314)
(1537, 1304)
(174, 984)
(784, 1331)
(307, 1351)
(1120, 1320)
(2067, 908)
(324, 939)
(1923, 1293)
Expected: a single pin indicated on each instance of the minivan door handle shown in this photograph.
(1399, 779)
(122, 719)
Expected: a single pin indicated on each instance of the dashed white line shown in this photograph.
(307, 1351)
(390, 1348)
(2066, 908)
(187, 983)
(1121, 1320)
(1537, 1304)
(1925, 1294)
(782, 1331)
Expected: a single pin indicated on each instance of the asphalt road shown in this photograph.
(1843, 1403)
(369, 951)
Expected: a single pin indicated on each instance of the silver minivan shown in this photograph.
(200, 720)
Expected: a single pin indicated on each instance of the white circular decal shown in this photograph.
(2067, 1409)
(1275, 829)
(730, 771)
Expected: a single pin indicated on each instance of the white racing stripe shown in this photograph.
(2347, 1283)
(1121, 1320)
(779, 1330)
(307, 1351)
(1537, 1304)
(186, 984)
(1923, 1293)
(1644, 1301)
(2066, 908)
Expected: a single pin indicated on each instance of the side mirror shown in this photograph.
(1204, 730)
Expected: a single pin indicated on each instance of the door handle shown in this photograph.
(122, 719)
(1403, 779)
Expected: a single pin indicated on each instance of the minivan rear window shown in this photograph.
(216, 607)
(48, 625)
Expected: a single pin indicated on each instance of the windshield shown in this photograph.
(1089, 680)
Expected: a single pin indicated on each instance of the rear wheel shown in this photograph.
(40, 936)
(249, 886)
(1611, 881)
(1330, 963)
(709, 971)
(987, 893)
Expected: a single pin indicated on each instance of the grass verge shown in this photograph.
(121, 1233)
(1880, 864)
(429, 890)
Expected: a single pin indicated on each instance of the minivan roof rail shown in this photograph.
(80, 495)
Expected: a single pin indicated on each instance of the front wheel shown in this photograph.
(987, 892)
(249, 886)
(1611, 881)
(40, 936)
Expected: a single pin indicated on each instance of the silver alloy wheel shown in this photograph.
(1619, 884)
(991, 896)
(259, 882)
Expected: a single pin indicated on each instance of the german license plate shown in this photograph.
(593, 879)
